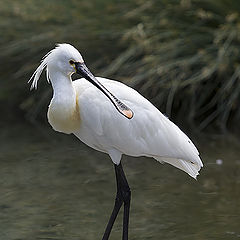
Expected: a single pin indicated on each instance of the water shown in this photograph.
(54, 187)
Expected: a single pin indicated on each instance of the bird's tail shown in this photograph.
(191, 168)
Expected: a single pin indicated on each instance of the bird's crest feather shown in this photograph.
(37, 73)
(49, 57)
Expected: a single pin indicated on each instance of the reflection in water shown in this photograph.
(54, 187)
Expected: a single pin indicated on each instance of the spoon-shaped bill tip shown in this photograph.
(128, 113)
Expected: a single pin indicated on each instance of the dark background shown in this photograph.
(182, 55)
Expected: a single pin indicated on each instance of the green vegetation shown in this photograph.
(182, 55)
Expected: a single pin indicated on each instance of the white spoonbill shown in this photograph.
(112, 118)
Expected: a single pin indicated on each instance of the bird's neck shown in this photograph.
(63, 112)
(62, 87)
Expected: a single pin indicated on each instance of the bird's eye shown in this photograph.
(71, 62)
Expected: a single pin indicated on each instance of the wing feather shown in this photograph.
(148, 133)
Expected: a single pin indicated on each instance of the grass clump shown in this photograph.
(182, 55)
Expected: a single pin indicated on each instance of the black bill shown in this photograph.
(82, 69)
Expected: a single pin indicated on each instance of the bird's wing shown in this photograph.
(148, 133)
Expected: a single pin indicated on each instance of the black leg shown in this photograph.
(126, 199)
(123, 196)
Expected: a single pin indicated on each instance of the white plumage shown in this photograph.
(80, 108)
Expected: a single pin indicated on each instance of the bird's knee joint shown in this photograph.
(127, 195)
(118, 199)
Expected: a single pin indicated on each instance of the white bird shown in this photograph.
(112, 118)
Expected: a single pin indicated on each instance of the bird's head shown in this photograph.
(66, 59)
(63, 58)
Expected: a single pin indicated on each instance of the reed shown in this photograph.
(182, 55)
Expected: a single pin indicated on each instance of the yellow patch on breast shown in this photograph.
(67, 121)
